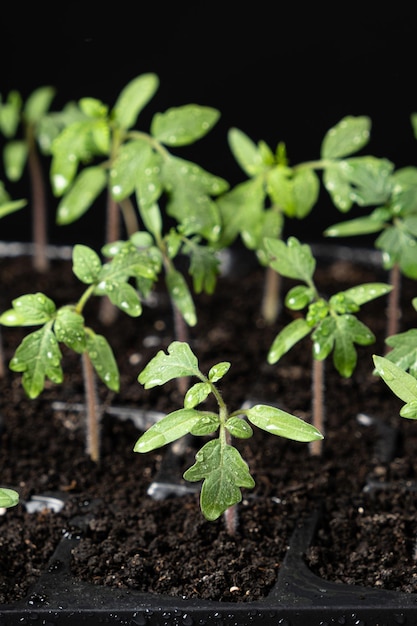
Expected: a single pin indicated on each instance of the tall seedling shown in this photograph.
(31, 119)
(393, 221)
(103, 152)
(276, 190)
(330, 321)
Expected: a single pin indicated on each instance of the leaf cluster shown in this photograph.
(330, 321)
(219, 464)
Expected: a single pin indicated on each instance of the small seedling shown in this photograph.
(39, 356)
(218, 463)
(332, 322)
(276, 190)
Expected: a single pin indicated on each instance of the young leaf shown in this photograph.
(133, 157)
(359, 226)
(280, 423)
(246, 152)
(224, 472)
(239, 428)
(291, 259)
(404, 350)
(218, 371)
(103, 360)
(86, 264)
(196, 394)
(348, 331)
(400, 382)
(346, 137)
(38, 357)
(38, 103)
(133, 98)
(69, 329)
(8, 498)
(180, 361)
(180, 126)
(86, 188)
(367, 292)
(171, 427)
(15, 156)
(29, 310)
(181, 296)
(287, 338)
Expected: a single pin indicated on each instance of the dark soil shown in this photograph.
(129, 539)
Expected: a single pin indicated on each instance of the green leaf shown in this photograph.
(133, 98)
(10, 114)
(349, 135)
(400, 382)
(283, 424)
(171, 427)
(126, 298)
(299, 297)
(38, 357)
(323, 338)
(69, 329)
(404, 350)
(181, 126)
(10, 207)
(287, 338)
(218, 371)
(133, 158)
(189, 189)
(359, 226)
(246, 152)
(92, 107)
(204, 266)
(399, 246)
(294, 191)
(86, 188)
(240, 209)
(29, 310)
(196, 394)
(180, 295)
(349, 331)
(179, 362)
(38, 103)
(239, 428)
(86, 264)
(367, 292)
(223, 471)
(293, 260)
(207, 425)
(409, 411)
(15, 155)
(103, 360)
(8, 498)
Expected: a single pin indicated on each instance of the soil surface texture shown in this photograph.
(364, 480)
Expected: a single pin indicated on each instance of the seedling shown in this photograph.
(39, 357)
(19, 152)
(218, 463)
(103, 152)
(275, 190)
(393, 221)
(331, 322)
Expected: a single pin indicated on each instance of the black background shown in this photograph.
(279, 73)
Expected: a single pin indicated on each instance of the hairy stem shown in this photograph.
(318, 404)
(271, 301)
(93, 417)
(39, 222)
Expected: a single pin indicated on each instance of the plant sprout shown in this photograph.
(276, 190)
(218, 463)
(331, 322)
(20, 152)
(38, 357)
